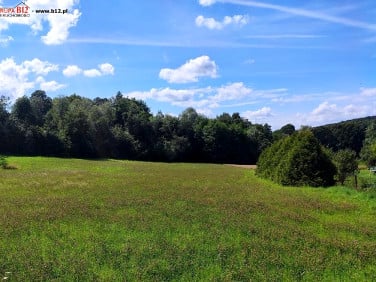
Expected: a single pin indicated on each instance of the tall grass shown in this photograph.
(82, 220)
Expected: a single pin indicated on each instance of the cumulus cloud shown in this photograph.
(72, 70)
(258, 115)
(103, 69)
(324, 109)
(233, 91)
(106, 69)
(59, 24)
(211, 23)
(59, 27)
(18, 79)
(14, 79)
(327, 112)
(191, 71)
(49, 85)
(330, 106)
(40, 67)
(203, 99)
(174, 96)
(237, 20)
(92, 73)
(206, 2)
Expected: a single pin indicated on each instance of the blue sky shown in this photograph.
(303, 62)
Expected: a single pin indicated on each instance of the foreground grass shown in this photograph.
(80, 220)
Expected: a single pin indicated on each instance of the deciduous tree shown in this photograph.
(346, 163)
(368, 153)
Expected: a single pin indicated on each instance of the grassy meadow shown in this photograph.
(110, 220)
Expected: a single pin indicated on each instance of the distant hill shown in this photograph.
(346, 134)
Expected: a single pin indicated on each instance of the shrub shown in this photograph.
(346, 163)
(367, 181)
(297, 160)
(3, 162)
(368, 154)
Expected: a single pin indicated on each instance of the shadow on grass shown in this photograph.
(9, 167)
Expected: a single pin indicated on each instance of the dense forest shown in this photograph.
(74, 126)
(120, 127)
(348, 134)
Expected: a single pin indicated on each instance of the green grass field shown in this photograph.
(85, 220)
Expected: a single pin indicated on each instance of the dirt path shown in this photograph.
(243, 166)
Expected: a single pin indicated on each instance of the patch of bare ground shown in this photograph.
(243, 166)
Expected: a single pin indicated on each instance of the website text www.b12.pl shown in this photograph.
(52, 11)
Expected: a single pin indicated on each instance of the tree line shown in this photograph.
(348, 134)
(121, 127)
(356, 135)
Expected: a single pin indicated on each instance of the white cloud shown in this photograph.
(18, 79)
(368, 92)
(327, 113)
(206, 2)
(191, 71)
(258, 115)
(40, 67)
(325, 109)
(59, 24)
(173, 96)
(72, 70)
(211, 23)
(49, 85)
(237, 20)
(106, 69)
(92, 73)
(331, 106)
(232, 91)
(203, 99)
(4, 41)
(103, 69)
(14, 79)
(59, 27)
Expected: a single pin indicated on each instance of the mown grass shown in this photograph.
(107, 220)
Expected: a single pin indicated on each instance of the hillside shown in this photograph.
(346, 134)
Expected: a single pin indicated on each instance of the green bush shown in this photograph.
(366, 180)
(297, 160)
(3, 162)
(346, 163)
